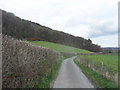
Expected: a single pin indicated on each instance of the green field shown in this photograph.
(59, 47)
(108, 62)
(96, 78)
(101, 69)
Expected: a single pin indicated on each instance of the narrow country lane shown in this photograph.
(70, 76)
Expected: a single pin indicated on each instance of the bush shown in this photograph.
(23, 63)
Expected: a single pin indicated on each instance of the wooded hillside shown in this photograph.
(24, 29)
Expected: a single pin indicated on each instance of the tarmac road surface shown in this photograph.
(70, 76)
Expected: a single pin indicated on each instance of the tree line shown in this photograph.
(24, 29)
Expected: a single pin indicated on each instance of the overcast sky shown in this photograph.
(94, 19)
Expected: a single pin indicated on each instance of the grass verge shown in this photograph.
(108, 62)
(96, 78)
(46, 80)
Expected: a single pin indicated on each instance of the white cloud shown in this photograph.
(106, 41)
(84, 18)
(81, 30)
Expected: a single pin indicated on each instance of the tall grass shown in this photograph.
(106, 65)
(110, 62)
(96, 78)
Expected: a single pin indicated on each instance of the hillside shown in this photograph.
(24, 29)
(59, 47)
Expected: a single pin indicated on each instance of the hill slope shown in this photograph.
(24, 29)
(59, 47)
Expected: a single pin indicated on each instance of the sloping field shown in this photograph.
(60, 48)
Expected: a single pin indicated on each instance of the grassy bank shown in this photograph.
(95, 77)
(46, 80)
(60, 47)
(106, 65)
(106, 62)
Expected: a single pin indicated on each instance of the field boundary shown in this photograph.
(100, 69)
(23, 63)
(97, 79)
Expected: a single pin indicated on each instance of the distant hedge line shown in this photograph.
(23, 64)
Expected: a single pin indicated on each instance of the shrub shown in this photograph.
(23, 63)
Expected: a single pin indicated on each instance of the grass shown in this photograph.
(60, 47)
(110, 62)
(46, 80)
(95, 77)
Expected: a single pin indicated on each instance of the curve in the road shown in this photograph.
(70, 76)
